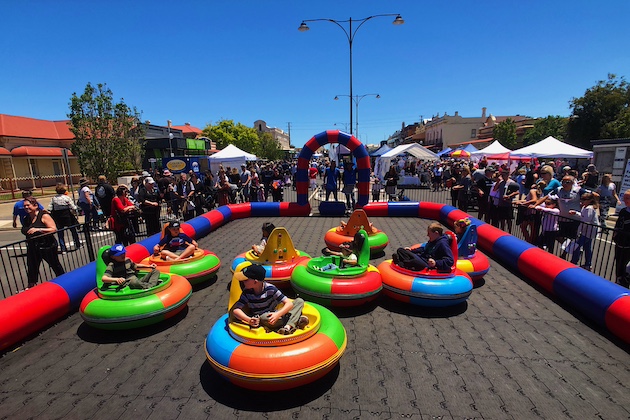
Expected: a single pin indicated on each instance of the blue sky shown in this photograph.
(204, 61)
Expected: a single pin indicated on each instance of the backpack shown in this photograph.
(100, 191)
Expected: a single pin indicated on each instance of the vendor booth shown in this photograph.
(231, 156)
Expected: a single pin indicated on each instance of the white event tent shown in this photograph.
(414, 149)
(551, 147)
(231, 156)
(493, 148)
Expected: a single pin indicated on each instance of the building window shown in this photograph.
(33, 165)
(57, 167)
(473, 133)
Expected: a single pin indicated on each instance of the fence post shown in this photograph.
(88, 242)
(12, 189)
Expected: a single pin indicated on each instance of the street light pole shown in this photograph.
(350, 34)
(357, 99)
(170, 138)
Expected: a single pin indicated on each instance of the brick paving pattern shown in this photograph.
(511, 352)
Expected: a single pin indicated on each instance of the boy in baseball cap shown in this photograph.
(257, 304)
(123, 271)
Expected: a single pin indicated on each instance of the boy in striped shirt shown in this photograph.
(257, 305)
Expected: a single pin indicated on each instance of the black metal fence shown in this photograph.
(13, 274)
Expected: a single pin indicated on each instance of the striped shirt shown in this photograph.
(264, 302)
(549, 218)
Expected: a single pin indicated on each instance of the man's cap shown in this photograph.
(566, 168)
(145, 174)
(149, 180)
(117, 250)
(174, 225)
(254, 272)
(591, 167)
(243, 165)
(167, 172)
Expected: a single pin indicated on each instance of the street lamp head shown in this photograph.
(378, 96)
(398, 21)
(304, 27)
(336, 98)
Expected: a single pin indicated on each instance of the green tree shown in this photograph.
(601, 113)
(551, 125)
(225, 132)
(269, 148)
(108, 138)
(505, 132)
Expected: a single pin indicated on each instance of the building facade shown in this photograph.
(449, 130)
(283, 139)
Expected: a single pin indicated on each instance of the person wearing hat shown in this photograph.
(257, 306)
(174, 244)
(88, 204)
(122, 271)
(590, 177)
(149, 199)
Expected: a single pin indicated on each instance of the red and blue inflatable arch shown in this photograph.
(357, 149)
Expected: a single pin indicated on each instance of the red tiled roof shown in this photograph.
(187, 129)
(4, 152)
(38, 151)
(12, 126)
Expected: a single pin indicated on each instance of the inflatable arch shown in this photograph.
(357, 149)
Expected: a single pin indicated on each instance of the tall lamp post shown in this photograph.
(170, 138)
(357, 99)
(350, 34)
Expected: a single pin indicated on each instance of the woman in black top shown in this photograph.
(39, 228)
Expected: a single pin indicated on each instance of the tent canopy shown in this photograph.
(494, 148)
(444, 152)
(469, 148)
(381, 150)
(230, 156)
(414, 149)
(551, 147)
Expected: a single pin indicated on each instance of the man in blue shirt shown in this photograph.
(330, 178)
(18, 209)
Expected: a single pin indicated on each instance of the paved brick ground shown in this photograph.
(510, 353)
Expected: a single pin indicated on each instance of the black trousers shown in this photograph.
(410, 260)
(34, 257)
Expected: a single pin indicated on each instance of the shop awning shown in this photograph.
(35, 151)
(4, 152)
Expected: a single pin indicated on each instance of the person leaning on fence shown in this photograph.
(589, 227)
(38, 228)
(621, 237)
(63, 210)
(123, 210)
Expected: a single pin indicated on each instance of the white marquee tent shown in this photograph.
(414, 149)
(231, 156)
(551, 147)
(493, 148)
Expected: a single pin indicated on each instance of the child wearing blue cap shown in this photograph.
(123, 271)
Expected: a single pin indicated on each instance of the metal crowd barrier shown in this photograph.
(13, 277)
